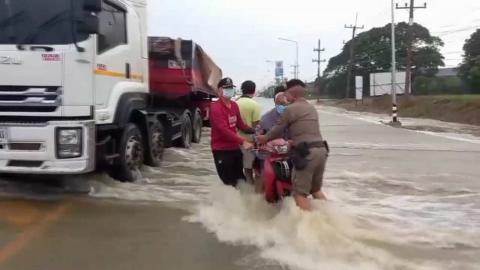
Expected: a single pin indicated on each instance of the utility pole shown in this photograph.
(395, 121)
(352, 54)
(319, 60)
(411, 8)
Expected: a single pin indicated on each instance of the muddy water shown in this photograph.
(387, 210)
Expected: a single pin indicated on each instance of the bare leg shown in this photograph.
(302, 202)
(249, 176)
(258, 184)
(319, 195)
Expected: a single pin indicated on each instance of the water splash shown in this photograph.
(327, 238)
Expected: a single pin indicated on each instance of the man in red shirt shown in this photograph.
(225, 119)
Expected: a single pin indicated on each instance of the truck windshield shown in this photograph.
(46, 22)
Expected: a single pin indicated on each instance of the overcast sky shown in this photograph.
(241, 35)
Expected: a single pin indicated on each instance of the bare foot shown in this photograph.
(302, 202)
(319, 195)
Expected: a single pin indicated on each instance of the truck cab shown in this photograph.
(73, 75)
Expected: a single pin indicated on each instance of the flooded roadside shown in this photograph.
(451, 130)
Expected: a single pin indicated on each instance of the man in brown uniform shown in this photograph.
(301, 120)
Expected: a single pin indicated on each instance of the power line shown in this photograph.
(319, 60)
(452, 52)
(447, 27)
(458, 30)
(352, 53)
(412, 9)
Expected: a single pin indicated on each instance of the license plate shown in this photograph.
(3, 135)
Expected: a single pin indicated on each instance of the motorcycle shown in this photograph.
(276, 170)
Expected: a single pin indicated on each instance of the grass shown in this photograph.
(451, 108)
(462, 98)
(462, 109)
(467, 97)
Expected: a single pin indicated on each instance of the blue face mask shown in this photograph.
(281, 108)
(228, 93)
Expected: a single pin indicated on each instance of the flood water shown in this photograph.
(419, 213)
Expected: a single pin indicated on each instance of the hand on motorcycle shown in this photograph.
(262, 139)
(247, 146)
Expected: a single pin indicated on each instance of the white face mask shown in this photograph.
(228, 93)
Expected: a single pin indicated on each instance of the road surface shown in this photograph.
(400, 199)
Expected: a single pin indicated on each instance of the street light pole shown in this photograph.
(296, 67)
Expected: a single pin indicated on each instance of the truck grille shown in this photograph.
(24, 163)
(30, 98)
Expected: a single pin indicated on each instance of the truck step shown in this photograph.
(104, 141)
(177, 123)
(177, 135)
(111, 157)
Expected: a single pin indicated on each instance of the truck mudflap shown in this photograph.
(31, 148)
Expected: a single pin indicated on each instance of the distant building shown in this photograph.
(447, 72)
(311, 87)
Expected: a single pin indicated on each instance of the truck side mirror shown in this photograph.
(92, 5)
(89, 23)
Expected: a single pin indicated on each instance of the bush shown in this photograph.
(335, 87)
(473, 77)
(438, 86)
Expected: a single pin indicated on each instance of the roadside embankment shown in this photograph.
(463, 109)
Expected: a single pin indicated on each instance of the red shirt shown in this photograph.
(224, 122)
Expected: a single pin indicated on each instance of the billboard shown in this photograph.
(381, 83)
(279, 69)
(358, 87)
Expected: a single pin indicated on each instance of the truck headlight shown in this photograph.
(69, 142)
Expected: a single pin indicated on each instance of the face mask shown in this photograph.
(229, 93)
(281, 108)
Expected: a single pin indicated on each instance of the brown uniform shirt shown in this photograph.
(301, 119)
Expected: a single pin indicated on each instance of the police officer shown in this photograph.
(309, 149)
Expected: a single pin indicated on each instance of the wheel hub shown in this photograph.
(134, 154)
(157, 145)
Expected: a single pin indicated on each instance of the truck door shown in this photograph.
(118, 51)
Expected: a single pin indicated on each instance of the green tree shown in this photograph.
(373, 53)
(470, 68)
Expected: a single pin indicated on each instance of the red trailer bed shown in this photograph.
(179, 68)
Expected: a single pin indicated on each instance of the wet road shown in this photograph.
(400, 199)
(80, 234)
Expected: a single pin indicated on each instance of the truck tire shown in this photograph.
(126, 167)
(186, 140)
(154, 155)
(197, 127)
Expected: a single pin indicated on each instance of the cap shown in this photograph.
(226, 83)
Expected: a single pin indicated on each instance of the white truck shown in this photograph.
(82, 87)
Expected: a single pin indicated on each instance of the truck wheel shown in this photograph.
(186, 139)
(197, 127)
(126, 167)
(154, 157)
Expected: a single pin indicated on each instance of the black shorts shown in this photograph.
(229, 164)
